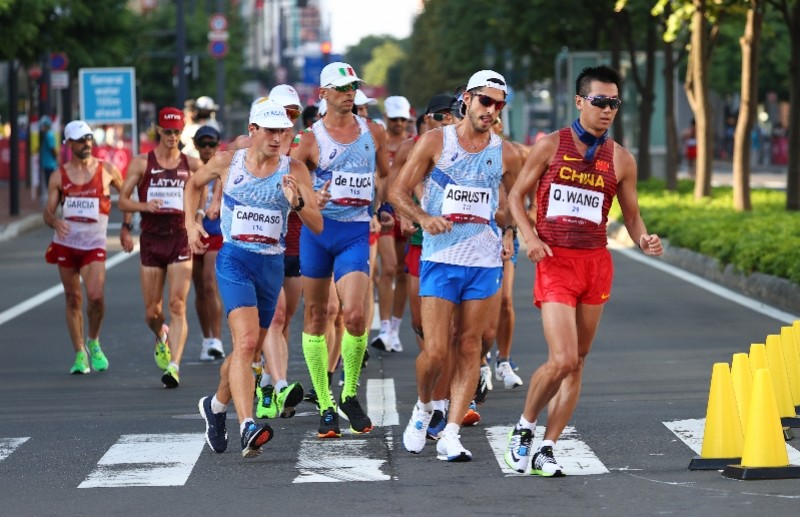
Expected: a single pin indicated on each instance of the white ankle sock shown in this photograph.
(395, 325)
(218, 407)
(280, 385)
(524, 424)
(427, 406)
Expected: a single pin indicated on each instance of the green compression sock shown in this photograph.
(352, 355)
(315, 351)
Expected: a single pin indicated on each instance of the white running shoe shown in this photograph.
(504, 372)
(449, 448)
(518, 450)
(486, 377)
(544, 464)
(212, 350)
(382, 342)
(415, 434)
(394, 342)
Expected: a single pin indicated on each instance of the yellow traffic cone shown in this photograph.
(758, 356)
(789, 344)
(722, 438)
(742, 385)
(764, 455)
(780, 381)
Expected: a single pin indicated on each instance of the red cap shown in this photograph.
(170, 118)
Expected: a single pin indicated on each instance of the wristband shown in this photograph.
(200, 212)
(300, 204)
(386, 208)
(513, 229)
(128, 226)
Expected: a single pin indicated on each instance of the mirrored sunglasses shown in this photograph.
(603, 102)
(488, 102)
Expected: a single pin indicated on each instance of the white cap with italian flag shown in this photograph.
(337, 74)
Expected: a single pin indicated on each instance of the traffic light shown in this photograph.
(191, 66)
(325, 47)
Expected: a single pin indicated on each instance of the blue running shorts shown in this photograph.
(458, 283)
(341, 248)
(247, 279)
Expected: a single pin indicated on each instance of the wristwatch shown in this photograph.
(128, 226)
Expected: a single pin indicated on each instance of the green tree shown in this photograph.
(384, 57)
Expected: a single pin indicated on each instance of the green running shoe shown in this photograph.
(99, 360)
(289, 397)
(81, 364)
(266, 404)
(162, 353)
(171, 379)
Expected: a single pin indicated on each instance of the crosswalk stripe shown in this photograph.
(691, 431)
(570, 451)
(9, 445)
(338, 460)
(147, 460)
(381, 402)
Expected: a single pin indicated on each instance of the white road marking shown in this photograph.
(336, 461)
(34, 301)
(691, 431)
(570, 451)
(147, 460)
(9, 445)
(381, 402)
(702, 283)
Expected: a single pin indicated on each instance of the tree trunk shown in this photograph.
(619, 128)
(671, 128)
(793, 174)
(750, 43)
(697, 91)
(646, 105)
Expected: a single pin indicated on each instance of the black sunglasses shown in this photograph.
(438, 117)
(84, 139)
(202, 145)
(603, 102)
(170, 132)
(398, 119)
(488, 102)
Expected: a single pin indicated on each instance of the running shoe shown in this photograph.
(288, 398)
(254, 436)
(513, 364)
(472, 417)
(359, 422)
(212, 350)
(81, 364)
(436, 426)
(504, 372)
(171, 379)
(417, 429)
(216, 434)
(449, 448)
(99, 360)
(329, 424)
(162, 353)
(266, 405)
(365, 359)
(518, 451)
(544, 464)
(311, 397)
(482, 389)
(394, 343)
(382, 342)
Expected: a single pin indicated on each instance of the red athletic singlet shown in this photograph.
(167, 185)
(574, 197)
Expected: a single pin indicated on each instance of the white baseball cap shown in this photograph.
(269, 114)
(337, 74)
(205, 103)
(76, 130)
(488, 78)
(397, 107)
(362, 99)
(285, 95)
(323, 107)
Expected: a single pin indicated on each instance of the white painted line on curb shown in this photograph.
(9, 445)
(34, 301)
(702, 283)
(147, 460)
(691, 432)
(570, 451)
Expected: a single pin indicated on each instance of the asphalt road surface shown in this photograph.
(116, 442)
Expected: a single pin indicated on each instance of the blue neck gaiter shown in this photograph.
(589, 139)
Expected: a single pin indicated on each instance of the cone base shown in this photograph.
(757, 473)
(790, 421)
(699, 463)
(788, 434)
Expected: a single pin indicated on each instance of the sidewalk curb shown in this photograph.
(25, 224)
(779, 292)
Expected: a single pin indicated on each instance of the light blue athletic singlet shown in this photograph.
(463, 187)
(254, 210)
(351, 170)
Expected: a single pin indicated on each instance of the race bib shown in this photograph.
(566, 201)
(348, 188)
(81, 209)
(250, 224)
(171, 196)
(466, 204)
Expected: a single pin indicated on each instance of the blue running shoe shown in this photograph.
(437, 425)
(216, 434)
(254, 436)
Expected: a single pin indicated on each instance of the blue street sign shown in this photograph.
(314, 66)
(108, 95)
